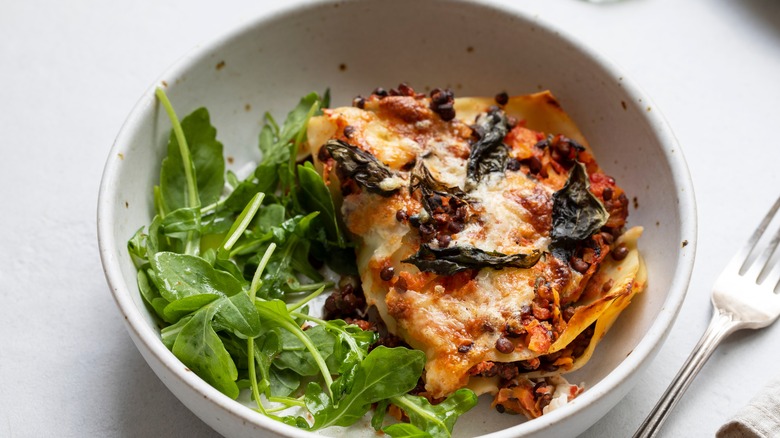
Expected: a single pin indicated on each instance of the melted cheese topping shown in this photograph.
(457, 320)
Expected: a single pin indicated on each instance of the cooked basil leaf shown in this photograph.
(576, 213)
(453, 259)
(363, 167)
(488, 152)
(431, 189)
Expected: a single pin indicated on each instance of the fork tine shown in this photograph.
(743, 254)
(771, 271)
(773, 277)
(761, 269)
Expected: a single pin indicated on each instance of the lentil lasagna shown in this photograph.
(486, 236)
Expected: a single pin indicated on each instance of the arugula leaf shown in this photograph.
(340, 260)
(351, 345)
(136, 247)
(214, 225)
(283, 382)
(180, 275)
(199, 347)
(325, 101)
(207, 162)
(436, 420)
(405, 430)
(576, 213)
(179, 223)
(269, 217)
(294, 355)
(186, 305)
(169, 334)
(384, 373)
(290, 258)
(314, 195)
(150, 293)
(238, 314)
(274, 314)
(380, 411)
(298, 118)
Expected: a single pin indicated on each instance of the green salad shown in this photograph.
(230, 273)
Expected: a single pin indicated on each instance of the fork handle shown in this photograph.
(720, 326)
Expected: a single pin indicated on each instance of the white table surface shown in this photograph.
(70, 71)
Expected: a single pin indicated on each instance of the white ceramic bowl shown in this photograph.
(353, 47)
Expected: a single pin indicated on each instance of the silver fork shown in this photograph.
(743, 297)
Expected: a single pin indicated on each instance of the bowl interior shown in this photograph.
(353, 47)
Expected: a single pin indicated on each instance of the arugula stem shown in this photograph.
(270, 120)
(298, 333)
(257, 278)
(315, 354)
(159, 202)
(256, 281)
(253, 375)
(211, 207)
(288, 401)
(276, 409)
(350, 340)
(306, 299)
(242, 223)
(191, 194)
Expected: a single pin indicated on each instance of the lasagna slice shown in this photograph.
(486, 236)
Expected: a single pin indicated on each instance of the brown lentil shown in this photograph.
(387, 273)
(442, 103)
(504, 345)
(400, 285)
(323, 154)
(405, 90)
(502, 98)
(620, 252)
(533, 163)
(454, 227)
(580, 265)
